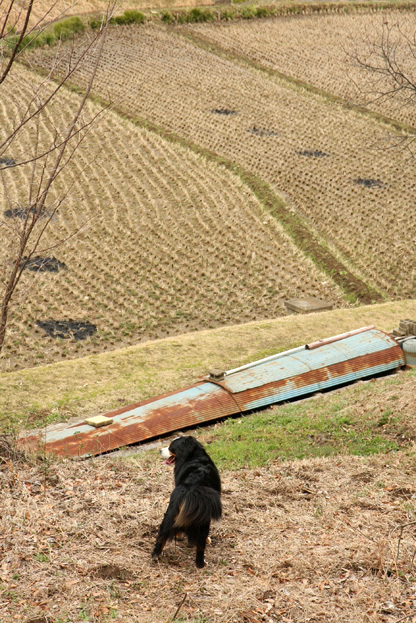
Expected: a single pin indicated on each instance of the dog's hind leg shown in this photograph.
(166, 532)
(199, 538)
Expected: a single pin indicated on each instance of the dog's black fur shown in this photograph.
(196, 499)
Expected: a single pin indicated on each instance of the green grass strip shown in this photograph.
(100, 383)
(358, 420)
(60, 31)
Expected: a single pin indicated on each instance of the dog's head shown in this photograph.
(180, 448)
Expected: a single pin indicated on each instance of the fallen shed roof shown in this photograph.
(284, 376)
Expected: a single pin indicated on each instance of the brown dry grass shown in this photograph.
(315, 540)
(172, 243)
(275, 128)
(321, 51)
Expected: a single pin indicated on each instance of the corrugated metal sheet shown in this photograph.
(297, 372)
(306, 371)
(337, 338)
(152, 418)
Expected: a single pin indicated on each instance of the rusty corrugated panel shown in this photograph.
(337, 338)
(275, 379)
(319, 379)
(152, 418)
(357, 356)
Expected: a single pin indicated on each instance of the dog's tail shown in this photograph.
(198, 506)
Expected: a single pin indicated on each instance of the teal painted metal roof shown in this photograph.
(282, 377)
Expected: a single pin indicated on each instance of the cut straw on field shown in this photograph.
(170, 242)
(354, 200)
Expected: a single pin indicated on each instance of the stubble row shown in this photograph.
(167, 243)
(325, 160)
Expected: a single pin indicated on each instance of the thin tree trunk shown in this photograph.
(52, 160)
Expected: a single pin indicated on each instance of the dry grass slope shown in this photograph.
(316, 540)
(174, 243)
(100, 383)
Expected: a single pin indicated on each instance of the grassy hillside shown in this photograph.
(100, 383)
(273, 550)
(236, 178)
(364, 419)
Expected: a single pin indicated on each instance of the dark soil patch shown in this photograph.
(262, 131)
(42, 264)
(369, 183)
(109, 572)
(7, 162)
(310, 153)
(223, 111)
(23, 213)
(8, 451)
(67, 329)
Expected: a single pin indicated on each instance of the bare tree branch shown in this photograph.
(385, 68)
(18, 42)
(46, 161)
(40, 107)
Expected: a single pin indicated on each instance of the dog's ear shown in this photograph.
(182, 447)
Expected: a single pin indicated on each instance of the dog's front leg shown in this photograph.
(159, 545)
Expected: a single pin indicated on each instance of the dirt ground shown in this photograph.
(314, 540)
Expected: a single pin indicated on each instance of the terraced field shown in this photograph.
(322, 51)
(314, 152)
(206, 203)
(171, 243)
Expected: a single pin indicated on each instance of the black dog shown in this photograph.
(196, 499)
